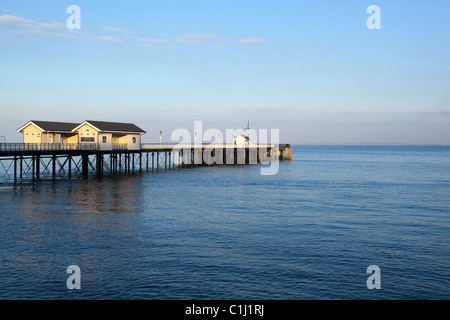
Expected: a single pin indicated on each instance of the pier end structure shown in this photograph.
(283, 152)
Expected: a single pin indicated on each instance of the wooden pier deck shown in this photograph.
(20, 161)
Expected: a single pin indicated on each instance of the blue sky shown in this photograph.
(309, 68)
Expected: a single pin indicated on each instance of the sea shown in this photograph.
(335, 223)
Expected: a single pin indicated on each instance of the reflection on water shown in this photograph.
(54, 225)
(85, 197)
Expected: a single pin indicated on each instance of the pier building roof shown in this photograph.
(104, 126)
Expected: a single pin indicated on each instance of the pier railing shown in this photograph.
(23, 147)
(34, 147)
(155, 146)
(120, 146)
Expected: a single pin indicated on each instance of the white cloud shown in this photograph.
(251, 41)
(114, 29)
(56, 29)
(59, 30)
(264, 109)
(152, 40)
(219, 41)
(33, 27)
(438, 111)
(50, 26)
(195, 39)
(14, 20)
(111, 40)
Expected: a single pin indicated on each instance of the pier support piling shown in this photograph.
(15, 168)
(85, 165)
(69, 157)
(53, 166)
(38, 166)
(21, 166)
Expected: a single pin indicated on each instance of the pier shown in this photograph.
(19, 161)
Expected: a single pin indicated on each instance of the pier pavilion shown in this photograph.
(48, 132)
(104, 135)
(107, 134)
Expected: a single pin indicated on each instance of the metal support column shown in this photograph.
(157, 160)
(70, 165)
(21, 166)
(165, 160)
(33, 170)
(53, 166)
(15, 168)
(38, 166)
(170, 159)
(85, 165)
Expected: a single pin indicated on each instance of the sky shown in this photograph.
(312, 69)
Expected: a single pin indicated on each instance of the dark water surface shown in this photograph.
(309, 232)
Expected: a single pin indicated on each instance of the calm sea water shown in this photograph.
(309, 232)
